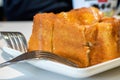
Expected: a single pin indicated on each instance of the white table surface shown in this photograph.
(28, 72)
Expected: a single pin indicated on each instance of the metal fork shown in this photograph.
(17, 41)
(38, 55)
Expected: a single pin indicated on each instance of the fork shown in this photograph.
(38, 55)
(17, 41)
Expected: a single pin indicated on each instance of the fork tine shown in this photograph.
(7, 39)
(23, 42)
(19, 43)
(13, 40)
(16, 41)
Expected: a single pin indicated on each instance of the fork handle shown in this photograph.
(7, 64)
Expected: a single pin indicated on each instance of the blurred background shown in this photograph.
(24, 10)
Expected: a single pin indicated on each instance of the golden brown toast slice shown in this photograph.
(87, 16)
(69, 41)
(41, 38)
(116, 26)
(105, 46)
(83, 16)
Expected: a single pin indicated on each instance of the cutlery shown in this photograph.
(17, 41)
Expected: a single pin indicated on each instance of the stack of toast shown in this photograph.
(84, 36)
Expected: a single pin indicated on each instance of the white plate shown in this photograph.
(67, 70)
